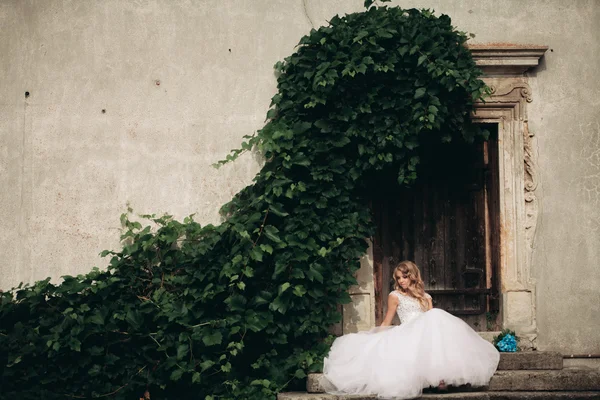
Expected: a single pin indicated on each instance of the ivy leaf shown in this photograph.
(236, 302)
(182, 350)
(134, 318)
(272, 113)
(301, 127)
(299, 290)
(96, 318)
(278, 305)
(257, 253)
(261, 382)
(204, 365)
(196, 377)
(361, 34)
(323, 125)
(276, 99)
(277, 209)
(262, 298)
(362, 68)
(95, 370)
(267, 248)
(284, 287)
(420, 92)
(256, 322)
(272, 233)
(299, 374)
(212, 339)
(280, 267)
(313, 274)
(368, 3)
(176, 375)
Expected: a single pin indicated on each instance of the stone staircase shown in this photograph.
(533, 375)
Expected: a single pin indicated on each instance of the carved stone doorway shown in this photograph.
(504, 70)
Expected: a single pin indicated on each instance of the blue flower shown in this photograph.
(507, 344)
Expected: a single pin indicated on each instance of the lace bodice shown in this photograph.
(408, 307)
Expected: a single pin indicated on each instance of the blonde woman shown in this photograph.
(429, 348)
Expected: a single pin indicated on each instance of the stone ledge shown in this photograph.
(506, 58)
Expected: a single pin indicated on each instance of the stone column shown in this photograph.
(359, 315)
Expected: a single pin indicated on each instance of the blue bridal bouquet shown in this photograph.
(506, 341)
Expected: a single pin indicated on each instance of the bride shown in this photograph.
(429, 348)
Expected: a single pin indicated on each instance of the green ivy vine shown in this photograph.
(242, 310)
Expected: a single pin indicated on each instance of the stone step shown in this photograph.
(530, 360)
(525, 380)
(556, 380)
(457, 396)
(523, 360)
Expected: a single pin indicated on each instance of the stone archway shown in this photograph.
(504, 70)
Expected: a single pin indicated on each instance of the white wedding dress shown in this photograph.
(398, 362)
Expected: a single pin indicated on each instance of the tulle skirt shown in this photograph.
(399, 362)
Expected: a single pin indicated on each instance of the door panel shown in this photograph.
(444, 223)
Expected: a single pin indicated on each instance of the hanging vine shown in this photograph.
(242, 309)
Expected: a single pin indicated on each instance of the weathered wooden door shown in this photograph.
(447, 223)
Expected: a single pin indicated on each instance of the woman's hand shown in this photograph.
(392, 305)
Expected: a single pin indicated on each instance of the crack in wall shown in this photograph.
(306, 13)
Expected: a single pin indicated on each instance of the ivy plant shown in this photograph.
(243, 309)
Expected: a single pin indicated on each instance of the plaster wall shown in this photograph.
(182, 81)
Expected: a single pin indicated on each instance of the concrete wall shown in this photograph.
(182, 81)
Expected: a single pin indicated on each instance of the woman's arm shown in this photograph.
(429, 302)
(392, 305)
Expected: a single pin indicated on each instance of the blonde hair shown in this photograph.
(416, 288)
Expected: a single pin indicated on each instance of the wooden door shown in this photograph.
(447, 223)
